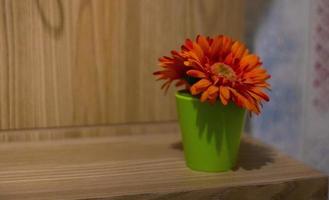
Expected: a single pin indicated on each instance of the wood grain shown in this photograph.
(89, 62)
(51, 134)
(147, 166)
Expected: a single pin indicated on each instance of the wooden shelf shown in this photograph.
(147, 166)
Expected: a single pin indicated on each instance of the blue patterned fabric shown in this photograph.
(290, 121)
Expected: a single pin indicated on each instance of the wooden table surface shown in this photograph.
(147, 166)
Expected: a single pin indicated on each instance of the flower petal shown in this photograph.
(227, 42)
(200, 86)
(224, 94)
(196, 73)
(223, 69)
(238, 49)
(249, 61)
(244, 101)
(203, 42)
(204, 96)
(197, 50)
(215, 46)
(213, 93)
(261, 94)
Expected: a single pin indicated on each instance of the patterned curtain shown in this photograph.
(292, 37)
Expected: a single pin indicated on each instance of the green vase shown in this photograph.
(210, 133)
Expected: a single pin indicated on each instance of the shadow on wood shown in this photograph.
(251, 155)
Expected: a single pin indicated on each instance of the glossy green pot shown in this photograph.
(210, 133)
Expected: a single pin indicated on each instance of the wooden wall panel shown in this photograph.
(89, 62)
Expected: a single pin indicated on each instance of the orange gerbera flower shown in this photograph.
(217, 68)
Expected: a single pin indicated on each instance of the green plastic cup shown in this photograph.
(210, 133)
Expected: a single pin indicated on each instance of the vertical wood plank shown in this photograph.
(89, 62)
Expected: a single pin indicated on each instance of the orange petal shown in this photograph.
(212, 90)
(216, 45)
(261, 94)
(244, 101)
(200, 86)
(227, 42)
(194, 58)
(198, 51)
(263, 84)
(203, 42)
(204, 96)
(229, 59)
(213, 94)
(223, 100)
(196, 73)
(238, 49)
(246, 52)
(249, 61)
(224, 94)
(188, 45)
(256, 73)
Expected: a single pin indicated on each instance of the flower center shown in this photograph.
(223, 70)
